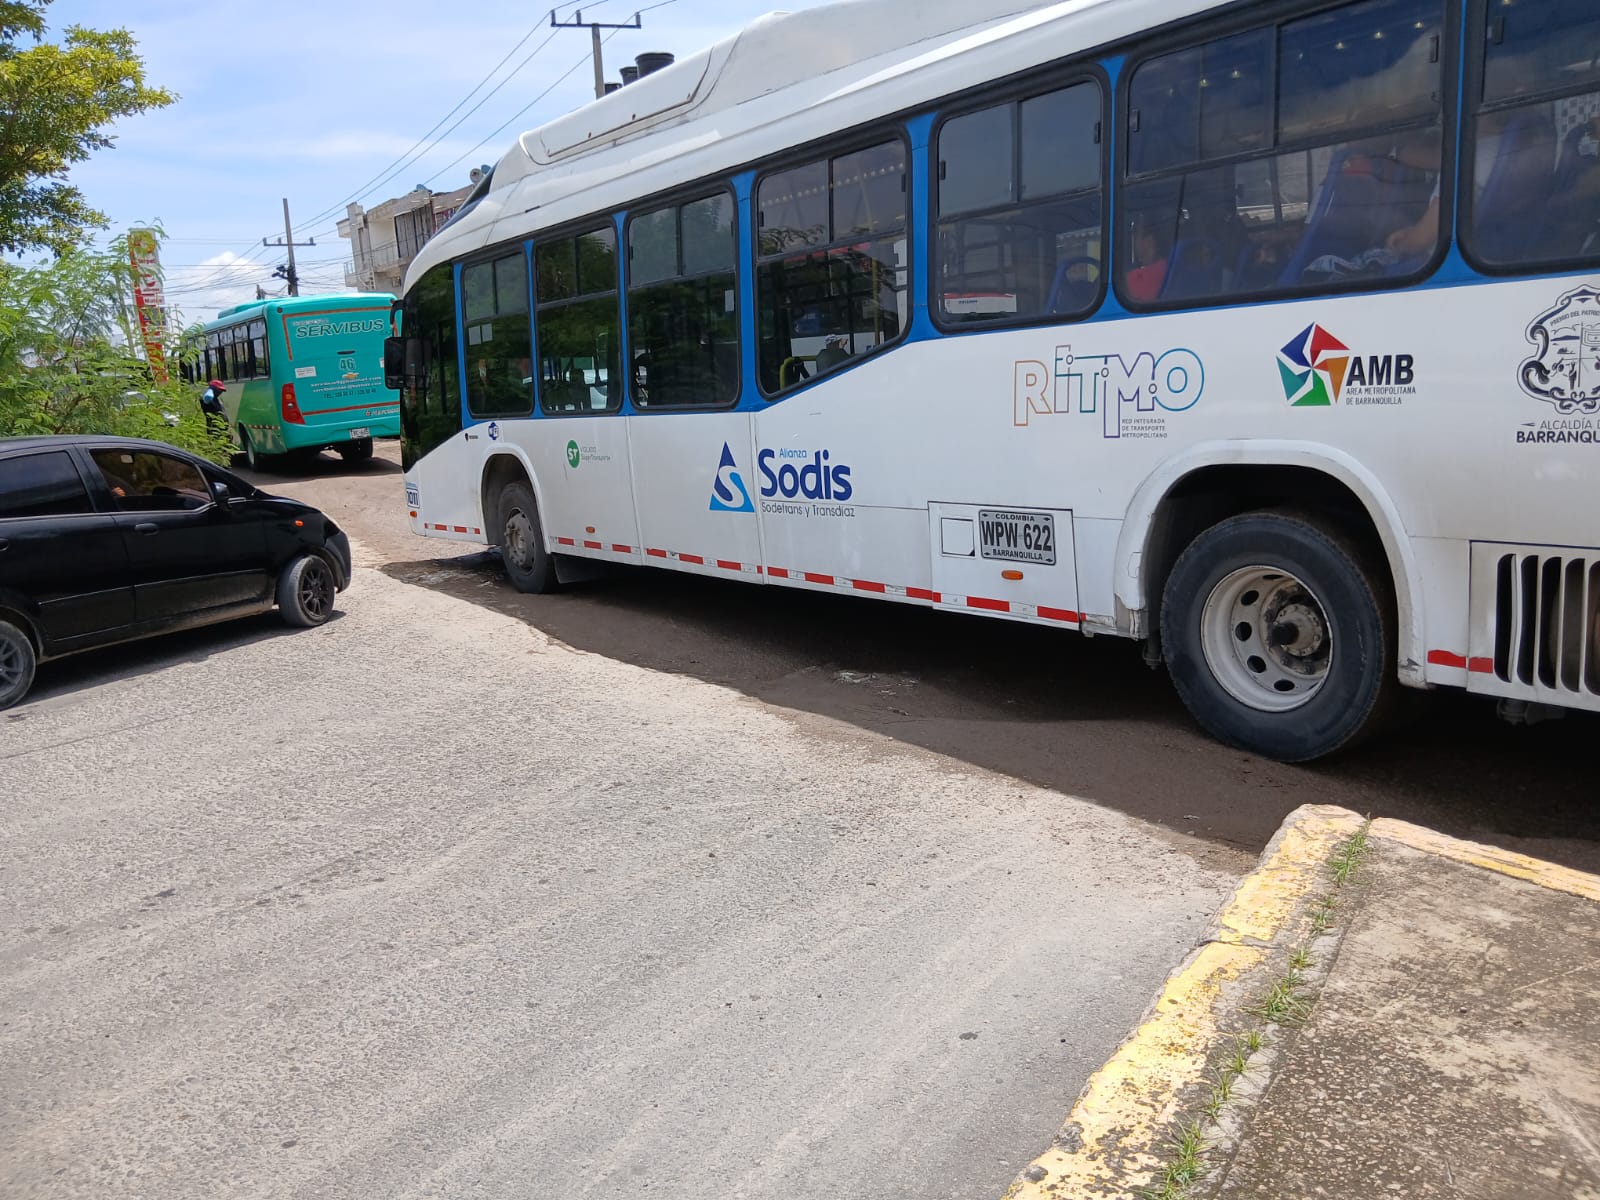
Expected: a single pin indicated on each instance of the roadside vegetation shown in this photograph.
(70, 357)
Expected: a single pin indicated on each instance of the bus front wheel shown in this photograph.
(522, 547)
(1278, 632)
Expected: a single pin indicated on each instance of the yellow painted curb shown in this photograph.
(1113, 1142)
(1490, 858)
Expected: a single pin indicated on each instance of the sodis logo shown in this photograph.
(1318, 370)
(728, 493)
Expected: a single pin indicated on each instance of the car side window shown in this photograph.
(146, 481)
(41, 485)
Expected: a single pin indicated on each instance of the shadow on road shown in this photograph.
(1076, 714)
(303, 468)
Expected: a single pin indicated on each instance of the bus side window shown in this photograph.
(1019, 209)
(683, 322)
(1534, 145)
(499, 329)
(258, 349)
(579, 325)
(831, 259)
(1235, 188)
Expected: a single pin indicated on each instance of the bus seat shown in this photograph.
(1196, 267)
(1363, 199)
(1521, 175)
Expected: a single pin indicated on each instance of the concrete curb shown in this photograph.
(1113, 1142)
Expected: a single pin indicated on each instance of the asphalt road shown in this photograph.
(659, 886)
(430, 902)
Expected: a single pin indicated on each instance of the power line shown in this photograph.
(408, 158)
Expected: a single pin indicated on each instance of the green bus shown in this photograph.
(303, 374)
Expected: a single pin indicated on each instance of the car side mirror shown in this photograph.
(220, 491)
(394, 363)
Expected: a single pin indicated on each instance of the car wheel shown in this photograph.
(357, 451)
(17, 663)
(1278, 633)
(522, 547)
(306, 590)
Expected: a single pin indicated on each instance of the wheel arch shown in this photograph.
(1213, 481)
(501, 467)
(18, 615)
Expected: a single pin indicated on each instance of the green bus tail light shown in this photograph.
(291, 407)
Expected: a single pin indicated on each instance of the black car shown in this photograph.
(106, 539)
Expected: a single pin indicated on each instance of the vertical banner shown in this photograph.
(148, 298)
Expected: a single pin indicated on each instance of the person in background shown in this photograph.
(211, 405)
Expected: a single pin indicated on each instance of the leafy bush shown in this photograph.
(68, 364)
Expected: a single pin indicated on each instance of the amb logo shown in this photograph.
(1318, 370)
(728, 493)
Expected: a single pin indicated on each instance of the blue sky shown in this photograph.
(315, 101)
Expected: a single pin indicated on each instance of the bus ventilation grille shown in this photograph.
(1547, 622)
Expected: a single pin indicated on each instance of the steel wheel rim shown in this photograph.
(11, 665)
(517, 545)
(1266, 639)
(316, 590)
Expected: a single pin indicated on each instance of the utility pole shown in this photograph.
(594, 27)
(289, 243)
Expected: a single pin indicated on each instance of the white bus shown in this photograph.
(1267, 334)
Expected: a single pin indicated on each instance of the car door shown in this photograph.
(63, 564)
(189, 552)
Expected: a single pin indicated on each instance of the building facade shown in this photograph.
(386, 237)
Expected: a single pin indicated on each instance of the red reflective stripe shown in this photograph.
(653, 553)
(475, 529)
(621, 549)
(726, 565)
(1481, 666)
(1443, 658)
(866, 585)
(778, 572)
(692, 558)
(917, 593)
(813, 577)
(561, 541)
(990, 605)
(458, 529)
(588, 545)
(1059, 614)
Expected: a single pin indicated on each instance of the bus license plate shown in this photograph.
(1017, 536)
(360, 433)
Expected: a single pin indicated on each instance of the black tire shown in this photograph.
(357, 451)
(306, 591)
(521, 540)
(1295, 613)
(253, 459)
(17, 663)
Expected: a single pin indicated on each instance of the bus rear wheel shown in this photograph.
(357, 451)
(1278, 632)
(253, 458)
(522, 548)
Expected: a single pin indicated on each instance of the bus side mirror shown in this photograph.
(394, 363)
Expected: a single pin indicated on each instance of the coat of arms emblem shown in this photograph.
(1565, 367)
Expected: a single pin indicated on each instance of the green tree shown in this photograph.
(55, 105)
(67, 365)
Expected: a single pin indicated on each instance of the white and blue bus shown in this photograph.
(1265, 333)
